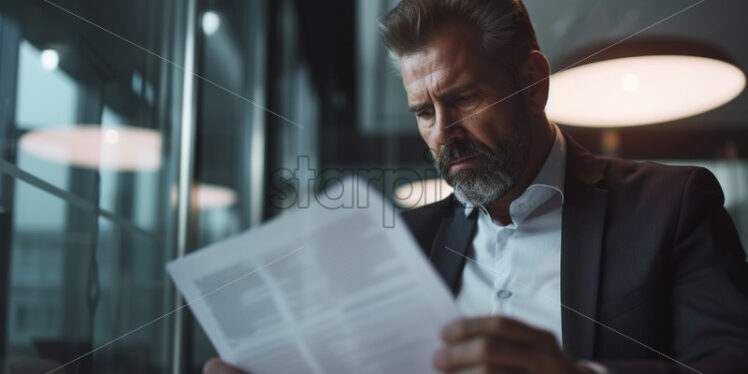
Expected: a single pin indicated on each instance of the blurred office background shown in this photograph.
(133, 132)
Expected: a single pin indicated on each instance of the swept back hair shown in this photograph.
(504, 27)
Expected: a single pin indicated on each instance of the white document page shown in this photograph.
(320, 290)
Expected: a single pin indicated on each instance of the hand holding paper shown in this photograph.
(319, 291)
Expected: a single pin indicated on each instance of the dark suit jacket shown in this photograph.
(651, 265)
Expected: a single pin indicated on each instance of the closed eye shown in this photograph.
(465, 98)
(425, 113)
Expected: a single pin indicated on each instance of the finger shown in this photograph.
(482, 352)
(504, 327)
(218, 366)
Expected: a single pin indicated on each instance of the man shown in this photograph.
(564, 261)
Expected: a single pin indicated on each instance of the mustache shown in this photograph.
(459, 149)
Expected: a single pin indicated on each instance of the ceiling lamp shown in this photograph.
(50, 59)
(210, 196)
(420, 193)
(643, 82)
(211, 22)
(94, 147)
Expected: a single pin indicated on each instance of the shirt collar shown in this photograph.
(550, 178)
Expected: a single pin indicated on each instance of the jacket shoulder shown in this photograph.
(655, 179)
(424, 222)
(417, 217)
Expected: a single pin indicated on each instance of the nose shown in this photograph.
(447, 128)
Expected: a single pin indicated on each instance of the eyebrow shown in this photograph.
(415, 108)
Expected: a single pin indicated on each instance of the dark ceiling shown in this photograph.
(564, 27)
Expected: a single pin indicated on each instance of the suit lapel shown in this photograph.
(581, 246)
(454, 235)
(583, 222)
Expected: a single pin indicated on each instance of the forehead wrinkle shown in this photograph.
(435, 82)
(435, 70)
(428, 89)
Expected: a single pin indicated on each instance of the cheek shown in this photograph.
(491, 131)
(426, 136)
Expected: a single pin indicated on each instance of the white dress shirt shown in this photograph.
(515, 269)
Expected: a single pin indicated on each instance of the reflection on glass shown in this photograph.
(86, 223)
(94, 147)
(211, 21)
(50, 59)
(45, 97)
(230, 131)
(212, 196)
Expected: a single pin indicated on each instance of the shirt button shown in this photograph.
(503, 294)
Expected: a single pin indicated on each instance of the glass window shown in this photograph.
(230, 146)
(41, 84)
(90, 127)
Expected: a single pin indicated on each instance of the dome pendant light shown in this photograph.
(643, 82)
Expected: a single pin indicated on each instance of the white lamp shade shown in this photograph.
(214, 196)
(641, 90)
(94, 147)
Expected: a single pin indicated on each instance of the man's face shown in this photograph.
(480, 139)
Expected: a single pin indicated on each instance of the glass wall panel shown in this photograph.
(91, 96)
(230, 130)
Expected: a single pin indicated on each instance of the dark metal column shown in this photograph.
(9, 39)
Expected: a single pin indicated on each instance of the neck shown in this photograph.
(543, 139)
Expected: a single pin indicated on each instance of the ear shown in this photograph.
(536, 71)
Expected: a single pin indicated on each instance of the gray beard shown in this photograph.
(480, 189)
(492, 176)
